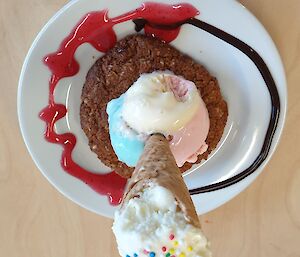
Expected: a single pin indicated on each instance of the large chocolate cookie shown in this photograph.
(117, 70)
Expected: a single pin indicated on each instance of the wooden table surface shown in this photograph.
(37, 221)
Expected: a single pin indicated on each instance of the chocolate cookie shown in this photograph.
(117, 70)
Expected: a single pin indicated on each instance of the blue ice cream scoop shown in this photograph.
(126, 143)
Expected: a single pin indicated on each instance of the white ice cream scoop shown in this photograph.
(160, 102)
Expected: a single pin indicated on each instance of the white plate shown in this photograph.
(241, 83)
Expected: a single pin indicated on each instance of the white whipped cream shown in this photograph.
(151, 225)
(160, 102)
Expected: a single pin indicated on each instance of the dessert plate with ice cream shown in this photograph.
(118, 72)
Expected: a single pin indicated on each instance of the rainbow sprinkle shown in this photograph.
(169, 253)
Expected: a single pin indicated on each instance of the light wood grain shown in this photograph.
(37, 221)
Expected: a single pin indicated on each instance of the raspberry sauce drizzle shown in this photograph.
(96, 28)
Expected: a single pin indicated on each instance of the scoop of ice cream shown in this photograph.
(127, 144)
(160, 102)
(151, 225)
(164, 103)
(189, 141)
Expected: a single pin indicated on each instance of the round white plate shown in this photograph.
(242, 86)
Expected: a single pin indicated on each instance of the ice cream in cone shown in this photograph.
(157, 216)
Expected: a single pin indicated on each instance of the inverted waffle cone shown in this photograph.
(157, 166)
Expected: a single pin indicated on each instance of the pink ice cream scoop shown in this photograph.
(189, 141)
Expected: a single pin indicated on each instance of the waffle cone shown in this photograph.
(157, 166)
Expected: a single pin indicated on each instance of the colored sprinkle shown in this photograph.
(152, 254)
(190, 248)
(127, 255)
(172, 237)
(164, 248)
(172, 251)
(173, 256)
(182, 255)
(175, 243)
(135, 255)
(146, 252)
(168, 255)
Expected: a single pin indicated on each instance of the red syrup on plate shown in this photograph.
(96, 28)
